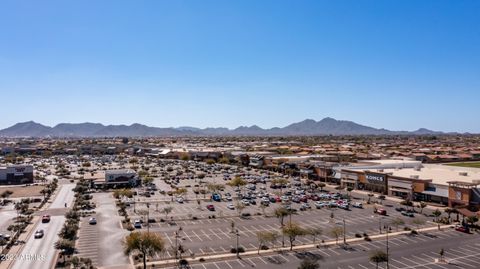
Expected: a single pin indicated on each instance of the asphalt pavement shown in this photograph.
(43, 249)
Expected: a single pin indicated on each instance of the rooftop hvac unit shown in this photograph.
(414, 176)
(418, 168)
(380, 170)
(464, 174)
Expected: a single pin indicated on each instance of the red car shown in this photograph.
(46, 218)
(462, 229)
(381, 211)
(211, 207)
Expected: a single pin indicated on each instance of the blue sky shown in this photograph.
(399, 65)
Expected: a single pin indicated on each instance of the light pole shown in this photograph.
(388, 258)
(344, 232)
(236, 250)
(148, 217)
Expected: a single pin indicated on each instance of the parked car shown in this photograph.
(216, 197)
(357, 205)
(463, 229)
(230, 206)
(180, 200)
(319, 204)
(92, 221)
(408, 214)
(137, 224)
(380, 211)
(211, 207)
(39, 234)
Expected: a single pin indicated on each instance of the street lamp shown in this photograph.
(236, 250)
(387, 230)
(148, 217)
(344, 232)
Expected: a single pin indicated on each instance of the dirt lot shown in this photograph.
(22, 191)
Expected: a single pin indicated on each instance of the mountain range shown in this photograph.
(309, 127)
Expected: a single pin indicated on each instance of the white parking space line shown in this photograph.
(228, 264)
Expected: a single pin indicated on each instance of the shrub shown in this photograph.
(357, 235)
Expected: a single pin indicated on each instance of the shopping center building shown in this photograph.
(436, 183)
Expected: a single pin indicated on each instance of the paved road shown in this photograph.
(65, 195)
(44, 248)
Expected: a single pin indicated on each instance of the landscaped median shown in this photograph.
(227, 256)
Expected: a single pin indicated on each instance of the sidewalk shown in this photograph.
(223, 256)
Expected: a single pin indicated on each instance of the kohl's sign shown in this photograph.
(375, 178)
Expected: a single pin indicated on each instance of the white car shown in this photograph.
(357, 205)
(230, 206)
(92, 221)
(245, 202)
(180, 200)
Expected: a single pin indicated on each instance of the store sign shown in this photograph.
(375, 178)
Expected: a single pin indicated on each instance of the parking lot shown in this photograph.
(406, 251)
(206, 232)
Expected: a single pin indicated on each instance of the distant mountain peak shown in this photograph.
(307, 127)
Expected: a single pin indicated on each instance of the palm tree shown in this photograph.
(378, 256)
(145, 243)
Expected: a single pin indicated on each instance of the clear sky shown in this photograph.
(399, 64)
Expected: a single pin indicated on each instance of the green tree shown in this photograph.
(167, 210)
(66, 246)
(381, 198)
(281, 213)
(378, 256)
(148, 244)
(449, 212)
(418, 222)
(321, 185)
(397, 222)
(309, 263)
(292, 230)
(314, 232)
(264, 237)
(436, 214)
(422, 205)
(336, 232)
(472, 220)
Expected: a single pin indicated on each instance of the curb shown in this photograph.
(217, 257)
